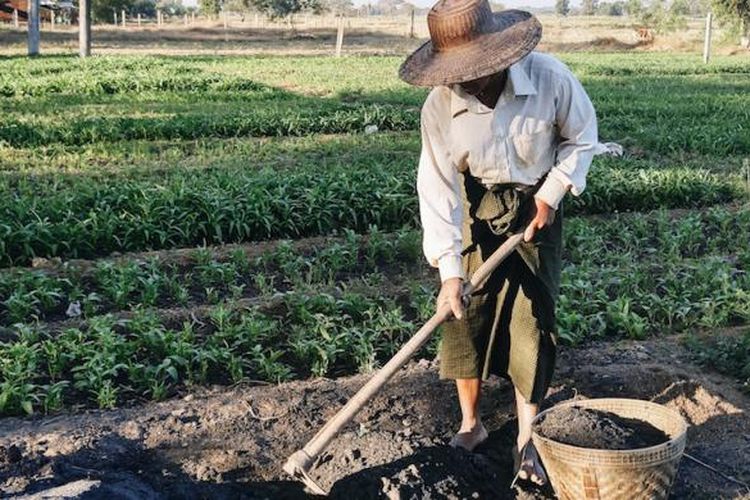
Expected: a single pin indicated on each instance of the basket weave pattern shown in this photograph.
(582, 473)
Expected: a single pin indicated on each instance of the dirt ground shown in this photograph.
(232, 442)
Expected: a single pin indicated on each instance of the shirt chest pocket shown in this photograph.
(533, 142)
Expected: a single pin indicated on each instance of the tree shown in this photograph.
(283, 8)
(588, 7)
(172, 7)
(337, 7)
(209, 8)
(736, 14)
(562, 7)
(615, 8)
(633, 7)
(146, 8)
(660, 17)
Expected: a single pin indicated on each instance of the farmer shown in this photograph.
(506, 133)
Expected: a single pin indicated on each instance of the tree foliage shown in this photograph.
(589, 7)
(103, 11)
(616, 8)
(283, 8)
(562, 7)
(735, 13)
(209, 8)
(633, 7)
(662, 17)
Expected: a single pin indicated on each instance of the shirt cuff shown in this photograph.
(450, 266)
(551, 192)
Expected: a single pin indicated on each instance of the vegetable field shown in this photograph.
(323, 275)
(171, 224)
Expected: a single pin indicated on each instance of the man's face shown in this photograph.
(475, 87)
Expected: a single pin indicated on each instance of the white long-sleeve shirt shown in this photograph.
(543, 122)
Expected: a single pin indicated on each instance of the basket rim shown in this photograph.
(677, 440)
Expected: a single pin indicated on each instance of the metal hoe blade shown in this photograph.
(297, 466)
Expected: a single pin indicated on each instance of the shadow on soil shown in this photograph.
(442, 472)
(116, 467)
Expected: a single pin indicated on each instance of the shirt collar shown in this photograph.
(520, 83)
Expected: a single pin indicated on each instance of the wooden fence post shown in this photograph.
(707, 41)
(115, 18)
(340, 37)
(411, 24)
(84, 28)
(138, 17)
(123, 17)
(744, 34)
(15, 18)
(192, 17)
(159, 19)
(186, 19)
(226, 25)
(33, 27)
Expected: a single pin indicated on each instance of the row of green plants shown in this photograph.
(201, 277)
(318, 75)
(353, 325)
(320, 335)
(111, 361)
(85, 217)
(115, 285)
(295, 118)
(727, 353)
(664, 105)
(640, 123)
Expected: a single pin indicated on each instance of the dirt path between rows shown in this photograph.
(231, 442)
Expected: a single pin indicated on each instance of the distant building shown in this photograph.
(63, 10)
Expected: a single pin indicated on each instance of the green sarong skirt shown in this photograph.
(509, 327)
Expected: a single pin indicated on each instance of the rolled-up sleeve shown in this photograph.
(577, 125)
(440, 205)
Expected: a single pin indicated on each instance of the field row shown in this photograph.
(672, 108)
(86, 216)
(200, 276)
(627, 277)
(713, 105)
(309, 75)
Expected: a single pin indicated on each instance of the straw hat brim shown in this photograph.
(516, 33)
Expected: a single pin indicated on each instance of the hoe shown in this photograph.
(298, 465)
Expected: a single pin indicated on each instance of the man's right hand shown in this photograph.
(450, 297)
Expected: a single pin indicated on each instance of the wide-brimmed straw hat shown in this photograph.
(469, 41)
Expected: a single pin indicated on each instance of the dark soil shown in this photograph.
(227, 443)
(601, 430)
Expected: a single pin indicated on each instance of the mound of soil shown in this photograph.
(601, 430)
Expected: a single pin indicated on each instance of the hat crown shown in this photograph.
(453, 23)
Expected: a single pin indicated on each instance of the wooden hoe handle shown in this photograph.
(300, 462)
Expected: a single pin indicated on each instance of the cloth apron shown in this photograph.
(508, 329)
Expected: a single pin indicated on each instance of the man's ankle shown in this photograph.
(468, 425)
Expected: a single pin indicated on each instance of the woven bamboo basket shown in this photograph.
(587, 474)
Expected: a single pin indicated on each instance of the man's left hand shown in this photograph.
(545, 216)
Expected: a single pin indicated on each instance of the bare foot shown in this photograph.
(468, 440)
(529, 466)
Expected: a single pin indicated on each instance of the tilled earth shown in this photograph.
(231, 442)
